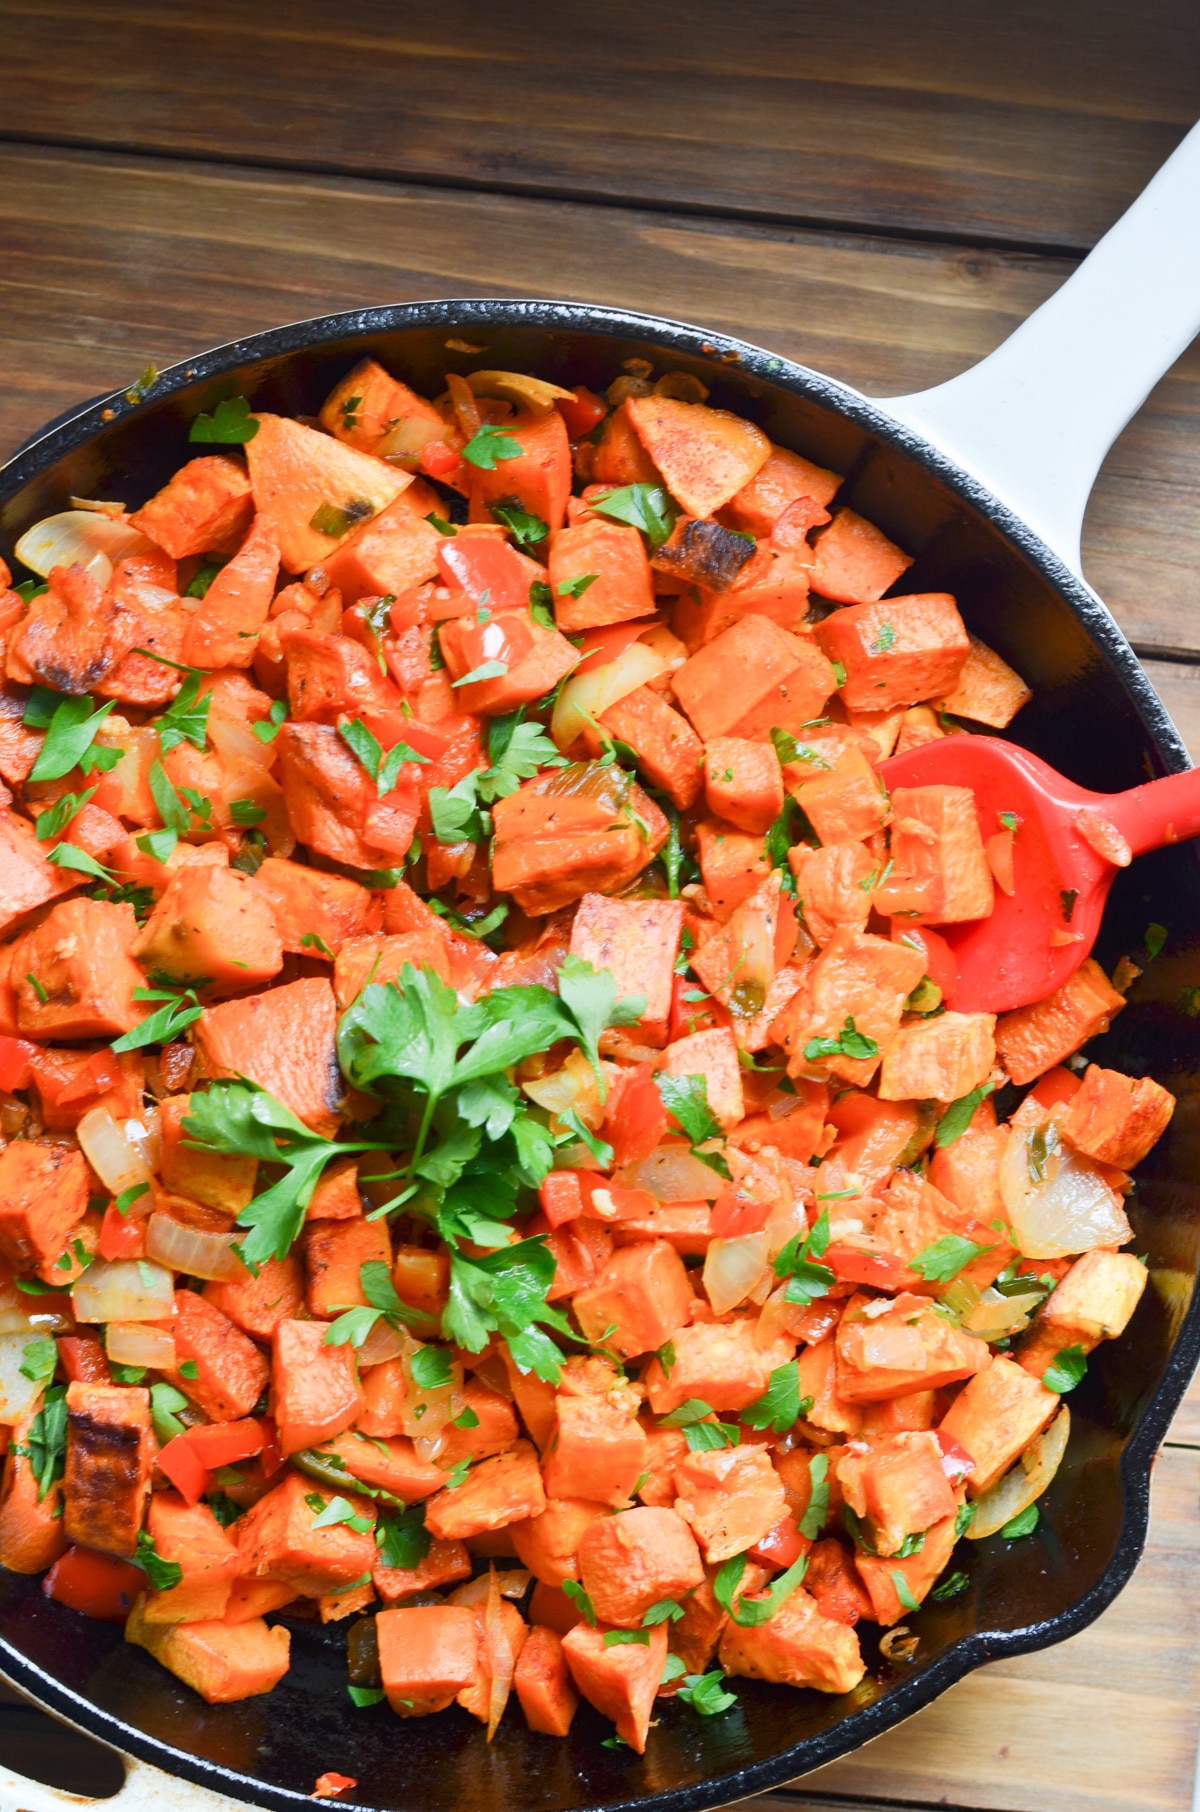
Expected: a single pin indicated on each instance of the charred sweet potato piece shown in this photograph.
(284, 1041)
(315, 1393)
(1033, 1039)
(212, 927)
(309, 904)
(80, 957)
(218, 1179)
(668, 751)
(854, 562)
(918, 1573)
(43, 1195)
(298, 474)
(205, 507)
(276, 1539)
(364, 960)
(331, 674)
(72, 636)
(223, 1662)
(110, 1454)
(798, 1646)
(638, 942)
(704, 553)
(705, 455)
(27, 879)
(613, 560)
(1117, 1119)
(328, 793)
(622, 1681)
(368, 402)
(752, 678)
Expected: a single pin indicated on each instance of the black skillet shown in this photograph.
(1094, 716)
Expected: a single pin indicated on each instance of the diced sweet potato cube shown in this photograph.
(427, 1655)
(712, 1055)
(968, 1172)
(621, 1682)
(995, 1416)
(201, 510)
(737, 962)
(855, 977)
(643, 1295)
(897, 652)
(214, 1178)
(719, 1362)
(445, 1562)
(27, 879)
(854, 562)
(705, 455)
(497, 1492)
(284, 1041)
(918, 1573)
(780, 480)
(539, 477)
(317, 907)
(110, 1453)
(1094, 1302)
(743, 783)
(276, 1539)
(938, 1059)
(732, 863)
(846, 805)
(315, 1393)
(223, 630)
(774, 583)
(817, 1377)
(834, 1583)
(393, 1464)
(210, 924)
(1117, 1119)
(365, 960)
(334, 1253)
(575, 831)
(543, 1683)
(548, 1544)
(730, 1497)
(31, 1523)
(597, 1450)
(257, 1305)
(798, 1646)
(297, 474)
(368, 402)
(43, 1195)
(190, 1536)
(252, 1598)
(751, 678)
(987, 690)
(231, 1372)
(833, 886)
(223, 1662)
(328, 673)
(336, 1196)
(396, 550)
(900, 1485)
(669, 753)
(629, 1562)
(940, 873)
(80, 958)
(1033, 1039)
(494, 1429)
(909, 1347)
(638, 941)
(614, 559)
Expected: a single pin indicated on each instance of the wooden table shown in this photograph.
(882, 191)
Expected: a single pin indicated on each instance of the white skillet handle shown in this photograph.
(146, 1789)
(1034, 420)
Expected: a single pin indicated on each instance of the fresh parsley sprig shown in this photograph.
(354, 1324)
(799, 1262)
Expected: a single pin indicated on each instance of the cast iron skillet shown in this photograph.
(1095, 717)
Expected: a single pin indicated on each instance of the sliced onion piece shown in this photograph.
(1025, 1482)
(427, 1410)
(84, 538)
(1057, 1200)
(732, 1267)
(672, 1174)
(18, 1394)
(531, 393)
(589, 694)
(117, 1159)
(234, 740)
(500, 1659)
(194, 1252)
(145, 1135)
(124, 1289)
(137, 1343)
(384, 1342)
(512, 1584)
(573, 1086)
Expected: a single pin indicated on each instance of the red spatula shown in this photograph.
(1066, 849)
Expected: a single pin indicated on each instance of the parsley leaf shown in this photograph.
(850, 1042)
(1155, 938)
(580, 1600)
(705, 1693)
(799, 1262)
(384, 769)
(505, 1292)
(454, 811)
(230, 424)
(666, 1610)
(60, 814)
(904, 1592)
(267, 728)
(813, 1520)
(354, 1324)
(945, 1258)
(1024, 1523)
(46, 1446)
(66, 855)
(590, 998)
(884, 640)
(246, 812)
(958, 1116)
(780, 1405)
(338, 1510)
(162, 1574)
(365, 1695)
(488, 444)
(517, 751)
(761, 1610)
(181, 1011)
(38, 1360)
(575, 588)
(527, 530)
(430, 1367)
(70, 732)
(642, 506)
(950, 1587)
(1067, 1370)
(165, 1404)
(402, 1538)
(617, 1638)
(186, 717)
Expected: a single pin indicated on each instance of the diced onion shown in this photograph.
(672, 1174)
(193, 1252)
(79, 538)
(732, 1267)
(426, 1411)
(512, 1584)
(995, 1315)
(499, 1656)
(531, 393)
(384, 1342)
(234, 740)
(590, 694)
(1025, 1482)
(117, 1158)
(1069, 1208)
(573, 1086)
(137, 1343)
(124, 1289)
(899, 1644)
(15, 1321)
(18, 1394)
(145, 1135)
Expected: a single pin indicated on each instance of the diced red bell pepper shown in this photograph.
(15, 1054)
(95, 1584)
(437, 460)
(391, 727)
(603, 646)
(734, 1215)
(225, 1443)
(271, 1458)
(330, 1784)
(635, 1120)
(882, 1270)
(607, 1201)
(561, 1197)
(956, 1461)
(1056, 1086)
(688, 1016)
(121, 1237)
(941, 964)
(781, 1546)
(506, 639)
(97, 1076)
(483, 564)
(583, 412)
(180, 1462)
(83, 1359)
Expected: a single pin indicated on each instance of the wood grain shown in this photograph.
(1021, 124)
(113, 262)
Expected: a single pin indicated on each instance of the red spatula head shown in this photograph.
(1037, 936)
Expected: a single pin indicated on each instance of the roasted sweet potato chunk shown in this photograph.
(110, 1453)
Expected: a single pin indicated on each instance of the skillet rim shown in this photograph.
(970, 1651)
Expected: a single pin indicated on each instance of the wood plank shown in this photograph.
(1024, 123)
(1178, 685)
(116, 261)
(1185, 1429)
(1109, 1719)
